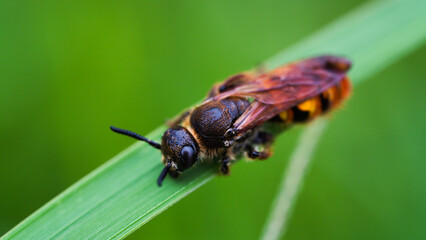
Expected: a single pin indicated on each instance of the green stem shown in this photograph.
(292, 180)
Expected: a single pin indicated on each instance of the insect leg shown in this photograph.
(174, 174)
(263, 137)
(253, 154)
(224, 167)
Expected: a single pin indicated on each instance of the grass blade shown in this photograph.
(121, 195)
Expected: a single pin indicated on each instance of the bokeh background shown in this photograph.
(69, 69)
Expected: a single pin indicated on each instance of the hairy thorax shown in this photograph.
(209, 122)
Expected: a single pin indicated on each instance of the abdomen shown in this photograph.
(320, 104)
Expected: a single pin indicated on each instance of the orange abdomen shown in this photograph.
(320, 104)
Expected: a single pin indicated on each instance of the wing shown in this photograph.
(231, 83)
(283, 88)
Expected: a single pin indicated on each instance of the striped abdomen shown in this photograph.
(315, 106)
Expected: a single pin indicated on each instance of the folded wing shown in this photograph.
(284, 87)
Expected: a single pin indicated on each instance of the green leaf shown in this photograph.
(121, 195)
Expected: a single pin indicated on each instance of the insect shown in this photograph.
(243, 114)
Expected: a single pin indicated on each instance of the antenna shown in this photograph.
(136, 136)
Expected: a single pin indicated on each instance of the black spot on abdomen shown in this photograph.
(325, 103)
(299, 115)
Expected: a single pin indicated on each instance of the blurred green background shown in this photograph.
(68, 70)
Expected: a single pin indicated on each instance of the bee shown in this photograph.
(244, 114)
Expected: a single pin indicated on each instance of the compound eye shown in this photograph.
(187, 154)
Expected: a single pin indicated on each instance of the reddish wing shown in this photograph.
(284, 87)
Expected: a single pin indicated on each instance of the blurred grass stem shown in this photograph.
(292, 180)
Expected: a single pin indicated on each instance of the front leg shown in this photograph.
(224, 167)
(174, 173)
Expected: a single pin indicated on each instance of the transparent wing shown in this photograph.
(284, 87)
